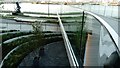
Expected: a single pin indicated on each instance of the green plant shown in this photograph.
(4, 31)
(13, 35)
(18, 55)
(6, 47)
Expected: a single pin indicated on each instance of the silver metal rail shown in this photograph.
(70, 53)
(115, 37)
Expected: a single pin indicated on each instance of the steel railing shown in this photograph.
(114, 36)
(69, 50)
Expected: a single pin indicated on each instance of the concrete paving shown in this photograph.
(93, 48)
(55, 55)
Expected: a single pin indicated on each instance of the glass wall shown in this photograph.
(105, 10)
(74, 27)
(101, 50)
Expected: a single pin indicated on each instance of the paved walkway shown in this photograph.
(93, 47)
(55, 55)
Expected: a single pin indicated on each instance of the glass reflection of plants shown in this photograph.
(80, 39)
(25, 48)
(37, 27)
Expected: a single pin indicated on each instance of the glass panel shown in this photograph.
(73, 27)
(101, 51)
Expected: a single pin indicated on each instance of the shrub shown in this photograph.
(4, 31)
(18, 55)
(9, 36)
(7, 47)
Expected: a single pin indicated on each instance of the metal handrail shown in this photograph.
(115, 37)
(70, 53)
